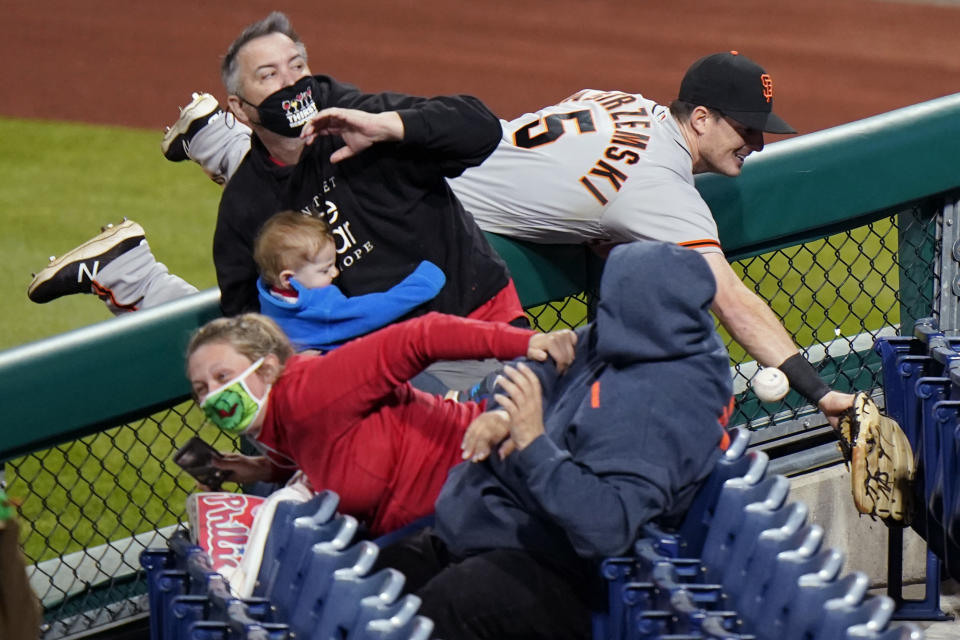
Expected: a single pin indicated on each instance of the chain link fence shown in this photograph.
(90, 506)
(836, 296)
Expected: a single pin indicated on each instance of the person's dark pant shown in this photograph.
(503, 593)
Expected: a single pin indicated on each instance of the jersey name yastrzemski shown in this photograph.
(599, 166)
(624, 121)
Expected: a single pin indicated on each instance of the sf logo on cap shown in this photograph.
(767, 82)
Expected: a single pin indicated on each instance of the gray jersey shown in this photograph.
(600, 166)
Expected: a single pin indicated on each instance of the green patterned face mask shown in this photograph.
(233, 407)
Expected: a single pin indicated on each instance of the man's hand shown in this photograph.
(523, 401)
(244, 468)
(485, 432)
(359, 129)
(559, 345)
(834, 404)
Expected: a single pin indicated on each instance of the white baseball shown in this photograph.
(770, 384)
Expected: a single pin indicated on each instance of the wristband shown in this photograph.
(804, 379)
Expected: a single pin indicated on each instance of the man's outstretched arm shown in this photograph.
(757, 329)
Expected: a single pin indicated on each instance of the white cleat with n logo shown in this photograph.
(76, 270)
(88, 272)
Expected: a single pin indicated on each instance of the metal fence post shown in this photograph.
(949, 267)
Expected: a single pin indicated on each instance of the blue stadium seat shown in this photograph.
(714, 629)
(373, 608)
(949, 416)
(344, 600)
(182, 613)
(287, 574)
(154, 561)
(243, 626)
(913, 383)
(320, 508)
(729, 517)
(650, 624)
(683, 616)
(807, 608)
(216, 630)
(692, 604)
(931, 393)
(908, 631)
(200, 572)
(668, 604)
(617, 572)
(896, 356)
(396, 628)
(736, 462)
(840, 614)
(757, 518)
(185, 612)
(689, 617)
(941, 502)
(222, 601)
(766, 606)
(792, 535)
(754, 582)
(301, 604)
(667, 584)
(216, 604)
(647, 555)
(170, 584)
(953, 516)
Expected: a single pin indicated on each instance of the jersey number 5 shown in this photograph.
(553, 125)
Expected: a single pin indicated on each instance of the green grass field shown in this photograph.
(63, 181)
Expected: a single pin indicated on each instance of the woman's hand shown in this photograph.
(244, 469)
(558, 345)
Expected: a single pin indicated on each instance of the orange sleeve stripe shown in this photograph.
(727, 412)
(725, 441)
(595, 395)
(697, 244)
(724, 419)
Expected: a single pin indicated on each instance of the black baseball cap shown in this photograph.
(736, 86)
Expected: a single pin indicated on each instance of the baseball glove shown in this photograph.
(880, 460)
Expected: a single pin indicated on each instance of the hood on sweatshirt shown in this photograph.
(655, 304)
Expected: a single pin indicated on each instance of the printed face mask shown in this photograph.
(233, 407)
(287, 110)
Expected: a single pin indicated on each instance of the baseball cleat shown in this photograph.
(74, 271)
(193, 117)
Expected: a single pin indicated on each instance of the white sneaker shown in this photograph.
(74, 271)
(193, 117)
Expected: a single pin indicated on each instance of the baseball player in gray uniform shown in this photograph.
(601, 167)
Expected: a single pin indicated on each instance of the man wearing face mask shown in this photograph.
(372, 165)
